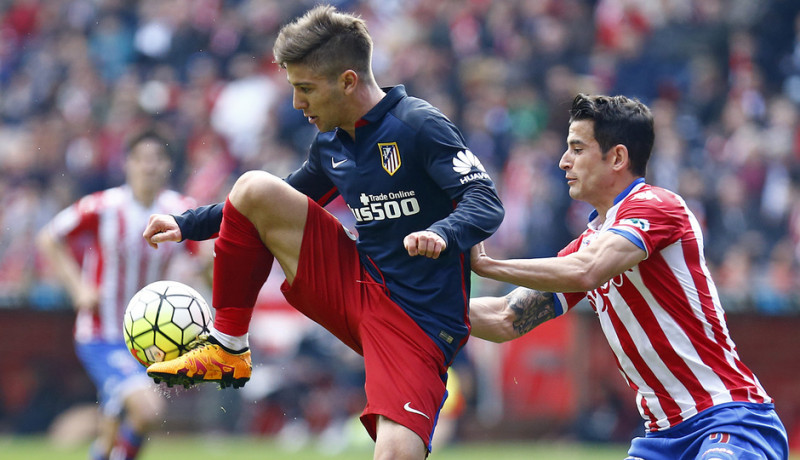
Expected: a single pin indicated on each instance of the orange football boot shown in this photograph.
(207, 361)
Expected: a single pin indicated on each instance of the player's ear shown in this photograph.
(348, 81)
(620, 158)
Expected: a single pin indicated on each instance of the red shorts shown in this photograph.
(405, 370)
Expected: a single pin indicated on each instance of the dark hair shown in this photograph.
(618, 120)
(150, 134)
(327, 41)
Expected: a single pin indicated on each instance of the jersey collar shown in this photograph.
(392, 97)
(593, 215)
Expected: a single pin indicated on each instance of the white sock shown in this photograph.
(234, 342)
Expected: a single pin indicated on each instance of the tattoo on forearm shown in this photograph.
(531, 308)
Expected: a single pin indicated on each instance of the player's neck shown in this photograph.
(366, 100)
(145, 198)
(610, 198)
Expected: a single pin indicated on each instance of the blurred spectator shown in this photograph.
(776, 289)
(95, 249)
(734, 280)
(243, 106)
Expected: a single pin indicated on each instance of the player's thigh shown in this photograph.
(278, 212)
(107, 364)
(114, 372)
(405, 370)
(754, 444)
(741, 441)
(329, 282)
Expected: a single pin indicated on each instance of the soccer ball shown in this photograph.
(162, 319)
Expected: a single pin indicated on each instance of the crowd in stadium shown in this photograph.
(78, 77)
(723, 77)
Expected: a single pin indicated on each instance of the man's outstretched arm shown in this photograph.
(500, 319)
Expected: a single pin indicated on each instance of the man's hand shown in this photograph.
(478, 257)
(424, 243)
(85, 298)
(160, 229)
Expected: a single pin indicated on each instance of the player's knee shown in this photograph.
(397, 451)
(252, 187)
(395, 441)
(145, 411)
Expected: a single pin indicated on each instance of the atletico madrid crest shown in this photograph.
(390, 157)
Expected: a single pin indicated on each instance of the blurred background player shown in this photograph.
(641, 263)
(96, 250)
(398, 295)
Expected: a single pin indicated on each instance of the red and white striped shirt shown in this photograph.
(663, 318)
(104, 231)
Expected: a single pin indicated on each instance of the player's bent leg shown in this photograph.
(241, 266)
(208, 361)
(394, 441)
(143, 409)
(277, 211)
(106, 435)
(263, 217)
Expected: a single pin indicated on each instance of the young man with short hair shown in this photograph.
(398, 294)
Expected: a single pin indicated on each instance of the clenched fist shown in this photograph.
(424, 243)
(160, 229)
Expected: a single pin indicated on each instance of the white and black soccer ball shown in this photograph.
(162, 319)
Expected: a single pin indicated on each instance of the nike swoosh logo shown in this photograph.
(336, 164)
(408, 408)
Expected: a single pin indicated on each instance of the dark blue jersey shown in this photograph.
(408, 169)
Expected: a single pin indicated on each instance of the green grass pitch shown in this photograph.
(183, 447)
(211, 447)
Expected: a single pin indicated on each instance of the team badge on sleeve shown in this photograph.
(643, 224)
(390, 157)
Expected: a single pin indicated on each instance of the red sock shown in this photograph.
(128, 443)
(241, 266)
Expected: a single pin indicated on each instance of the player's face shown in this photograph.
(587, 172)
(147, 168)
(320, 98)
